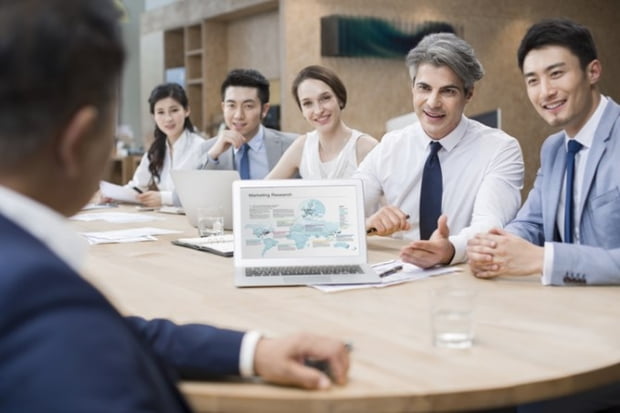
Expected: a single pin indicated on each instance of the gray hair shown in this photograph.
(446, 49)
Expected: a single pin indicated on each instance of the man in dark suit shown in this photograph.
(245, 103)
(63, 347)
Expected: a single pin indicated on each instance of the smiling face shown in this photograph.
(562, 93)
(319, 104)
(170, 117)
(243, 111)
(438, 99)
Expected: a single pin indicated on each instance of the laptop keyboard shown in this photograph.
(309, 270)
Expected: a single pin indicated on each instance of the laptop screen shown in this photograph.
(205, 188)
(299, 219)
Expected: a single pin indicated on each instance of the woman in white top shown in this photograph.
(176, 146)
(332, 150)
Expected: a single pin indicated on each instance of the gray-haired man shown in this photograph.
(444, 171)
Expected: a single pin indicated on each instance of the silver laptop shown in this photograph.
(297, 232)
(205, 188)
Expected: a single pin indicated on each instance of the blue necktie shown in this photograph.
(573, 148)
(430, 194)
(244, 162)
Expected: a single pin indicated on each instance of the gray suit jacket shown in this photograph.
(596, 260)
(276, 143)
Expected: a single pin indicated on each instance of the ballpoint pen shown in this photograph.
(138, 190)
(391, 271)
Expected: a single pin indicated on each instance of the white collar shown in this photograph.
(45, 224)
(585, 136)
(257, 140)
(451, 139)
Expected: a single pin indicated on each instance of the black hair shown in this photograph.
(247, 78)
(157, 151)
(559, 32)
(57, 57)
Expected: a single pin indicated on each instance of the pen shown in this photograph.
(391, 271)
(373, 229)
(138, 190)
(323, 365)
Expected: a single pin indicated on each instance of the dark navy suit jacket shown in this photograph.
(64, 348)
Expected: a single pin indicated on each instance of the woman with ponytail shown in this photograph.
(175, 146)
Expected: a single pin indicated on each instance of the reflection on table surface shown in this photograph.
(531, 342)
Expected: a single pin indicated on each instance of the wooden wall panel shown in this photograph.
(379, 89)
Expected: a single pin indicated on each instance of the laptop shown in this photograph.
(198, 188)
(299, 232)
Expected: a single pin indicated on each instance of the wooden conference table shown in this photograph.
(532, 342)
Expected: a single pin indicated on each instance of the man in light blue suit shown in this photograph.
(245, 103)
(568, 238)
(561, 71)
(63, 346)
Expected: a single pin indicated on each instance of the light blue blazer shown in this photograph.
(596, 260)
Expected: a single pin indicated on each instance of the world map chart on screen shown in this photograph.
(307, 225)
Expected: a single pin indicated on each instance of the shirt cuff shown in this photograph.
(246, 356)
(460, 249)
(547, 264)
(166, 197)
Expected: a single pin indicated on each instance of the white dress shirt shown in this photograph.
(482, 173)
(187, 153)
(585, 136)
(53, 230)
(46, 225)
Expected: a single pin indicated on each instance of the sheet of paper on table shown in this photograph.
(118, 192)
(126, 235)
(104, 205)
(408, 273)
(116, 217)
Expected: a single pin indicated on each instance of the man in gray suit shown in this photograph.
(245, 102)
(561, 71)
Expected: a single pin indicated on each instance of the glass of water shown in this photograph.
(210, 221)
(451, 317)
